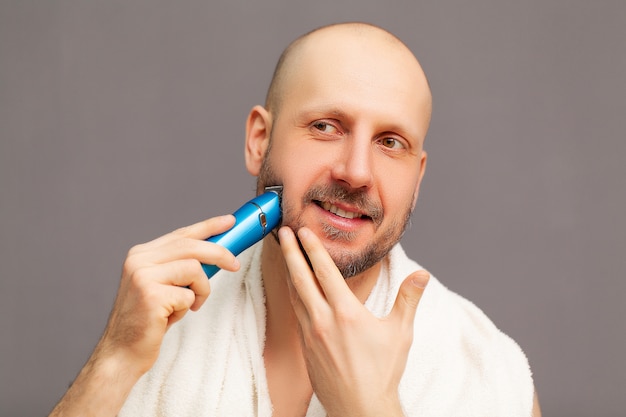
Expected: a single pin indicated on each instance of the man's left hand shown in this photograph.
(354, 359)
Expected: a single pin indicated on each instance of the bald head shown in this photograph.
(344, 126)
(369, 40)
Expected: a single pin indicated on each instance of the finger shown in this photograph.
(180, 303)
(201, 230)
(301, 278)
(200, 285)
(176, 276)
(186, 248)
(330, 279)
(207, 228)
(409, 296)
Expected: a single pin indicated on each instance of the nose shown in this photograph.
(353, 165)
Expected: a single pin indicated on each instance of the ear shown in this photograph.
(258, 129)
(422, 168)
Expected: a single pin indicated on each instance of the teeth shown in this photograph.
(339, 212)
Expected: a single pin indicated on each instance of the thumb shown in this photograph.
(410, 294)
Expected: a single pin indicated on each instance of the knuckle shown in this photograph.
(320, 330)
(298, 279)
(182, 231)
(135, 250)
(139, 277)
(189, 265)
(346, 316)
(133, 260)
(129, 266)
(183, 244)
(149, 296)
(324, 270)
(139, 290)
(222, 253)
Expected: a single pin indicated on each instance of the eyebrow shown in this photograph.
(334, 111)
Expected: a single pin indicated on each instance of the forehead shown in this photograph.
(358, 75)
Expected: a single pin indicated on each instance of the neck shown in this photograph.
(286, 370)
(281, 322)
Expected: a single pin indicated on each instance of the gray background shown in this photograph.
(122, 120)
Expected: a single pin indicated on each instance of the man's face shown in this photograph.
(347, 147)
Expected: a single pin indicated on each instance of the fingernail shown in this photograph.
(420, 279)
(304, 233)
(282, 232)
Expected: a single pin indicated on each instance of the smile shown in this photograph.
(339, 212)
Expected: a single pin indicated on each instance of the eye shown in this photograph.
(391, 143)
(324, 127)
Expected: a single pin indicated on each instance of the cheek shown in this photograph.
(296, 182)
(397, 192)
(300, 167)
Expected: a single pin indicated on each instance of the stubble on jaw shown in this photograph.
(349, 263)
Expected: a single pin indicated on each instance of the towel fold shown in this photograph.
(211, 362)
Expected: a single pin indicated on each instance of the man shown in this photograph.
(334, 332)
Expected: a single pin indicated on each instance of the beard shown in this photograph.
(350, 263)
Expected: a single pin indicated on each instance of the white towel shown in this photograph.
(211, 362)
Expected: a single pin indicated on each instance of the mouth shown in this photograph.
(337, 211)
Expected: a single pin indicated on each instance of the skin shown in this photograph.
(364, 134)
(151, 298)
(349, 110)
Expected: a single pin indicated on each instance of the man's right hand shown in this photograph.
(161, 281)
